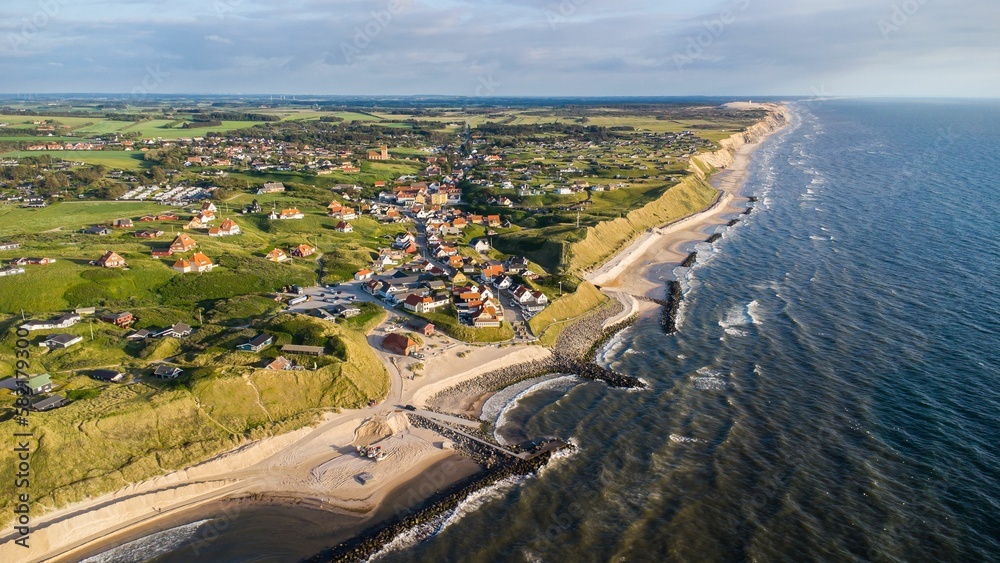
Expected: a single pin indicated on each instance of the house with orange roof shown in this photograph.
(111, 260)
(183, 243)
(277, 255)
(344, 227)
(292, 213)
(303, 250)
(226, 229)
(198, 263)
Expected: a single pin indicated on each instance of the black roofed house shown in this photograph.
(179, 330)
(54, 341)
(111, 375)
(257, 343)
(98, 230)
(49, 403)
(166, 372)
(140, 334)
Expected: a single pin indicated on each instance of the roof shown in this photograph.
(260, 340)
(166, 370)
(63, 338)
(398, 343)
(48, 403)
(201, 260)
(39, 381)
(295, 349)
(106, 374)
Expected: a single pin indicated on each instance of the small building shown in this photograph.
(123, 224)
(149, 233)
(62, 321)
(49, 403)
(280, 363)
(307, 350)
(178, 330)
(163, 371)
(345, 311)
(38, 384)
(271, 188)
(139, 335)
(98, 230)
(400, 344)
(111, 260)
(110, 375)
(363, 275)
(228, 228)
(257, 343)
(183, 243)
(9, 245)
(199, 263)
(421, 327)
(480, 245)
(344, 227)
(277, 255)
(54, 341)
(291, 213)
(123, 320)
(163, 252)
(303, 250)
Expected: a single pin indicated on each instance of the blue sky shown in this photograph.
(503, 48)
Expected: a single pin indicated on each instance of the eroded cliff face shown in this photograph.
(723, 158)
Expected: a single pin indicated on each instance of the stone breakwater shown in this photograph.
(577, 339)
(733, 223)
(690, 260)
(498, 466)
(713, 238)
(577, 347)
(668, 315)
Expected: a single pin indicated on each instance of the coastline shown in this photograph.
(285, 465)
(627, 272)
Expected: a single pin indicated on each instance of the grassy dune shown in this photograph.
(687, 197)
(116, 434)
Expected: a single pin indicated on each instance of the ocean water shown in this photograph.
(833, 393)
(834, 390)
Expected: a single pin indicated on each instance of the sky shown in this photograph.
(920, 48)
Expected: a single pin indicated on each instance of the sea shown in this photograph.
(832, 392)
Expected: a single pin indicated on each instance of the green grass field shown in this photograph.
(125, 160)
(70, 216)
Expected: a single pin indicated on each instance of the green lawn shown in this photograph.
(71, 216)
(126, 160)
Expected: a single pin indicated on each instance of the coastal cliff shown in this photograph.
(691, 195)
(723, 157)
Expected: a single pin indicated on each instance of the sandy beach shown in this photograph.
(627, 271)
(319, 463)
